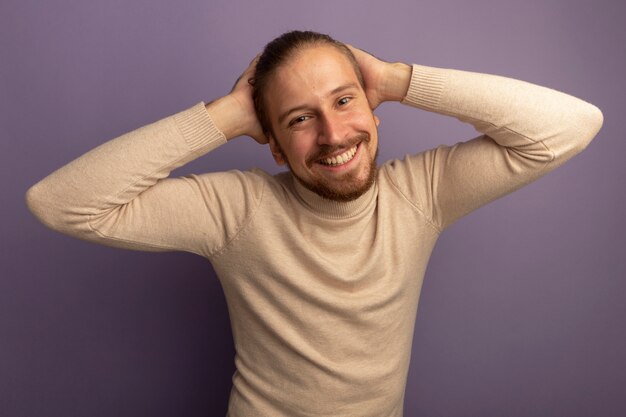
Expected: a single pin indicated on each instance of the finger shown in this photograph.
(248, 72)
(356, 51)
(253, 63)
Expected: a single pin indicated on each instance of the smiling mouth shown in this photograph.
(340, 159)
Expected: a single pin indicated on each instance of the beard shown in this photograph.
(349, 187)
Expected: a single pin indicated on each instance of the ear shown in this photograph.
(376, 120)
(277, 153)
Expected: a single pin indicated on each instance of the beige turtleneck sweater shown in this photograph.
(322, 295)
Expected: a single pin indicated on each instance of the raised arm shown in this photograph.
(528, 130)
(118, 194)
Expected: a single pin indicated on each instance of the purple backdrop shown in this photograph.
(522, 312)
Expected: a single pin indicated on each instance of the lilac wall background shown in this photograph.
(522, 312)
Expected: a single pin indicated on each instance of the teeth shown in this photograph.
(340, 159)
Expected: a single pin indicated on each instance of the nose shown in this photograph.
(333, 131)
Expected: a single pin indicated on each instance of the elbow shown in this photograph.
(36, 202)
(41, 204)
(597, 120)
(588, 124)
(60, 212)
(576, 130)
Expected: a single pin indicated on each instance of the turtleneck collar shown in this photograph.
(333, 209)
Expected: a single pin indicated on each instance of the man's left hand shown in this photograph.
(384, 81)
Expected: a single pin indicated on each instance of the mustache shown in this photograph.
(327, 150)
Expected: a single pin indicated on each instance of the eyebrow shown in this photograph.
(337, 90)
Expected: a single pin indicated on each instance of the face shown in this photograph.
(322, 124)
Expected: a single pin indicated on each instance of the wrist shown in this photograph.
(226, 117)
(397, 80)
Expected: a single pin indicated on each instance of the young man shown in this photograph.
(321, 265)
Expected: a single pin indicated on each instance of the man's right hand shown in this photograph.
(234, 113)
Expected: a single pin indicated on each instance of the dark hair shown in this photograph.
(277, 52)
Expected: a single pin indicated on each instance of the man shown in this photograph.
(322, 265)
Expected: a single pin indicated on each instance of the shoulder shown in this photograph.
(253, 183)
(411, 180)
(405, 171)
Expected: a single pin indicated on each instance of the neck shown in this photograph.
(331, 208)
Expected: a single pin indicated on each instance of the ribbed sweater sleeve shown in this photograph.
(527, 130)
(118, 194)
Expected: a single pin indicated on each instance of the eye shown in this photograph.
(298, 119)
(344, 100)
